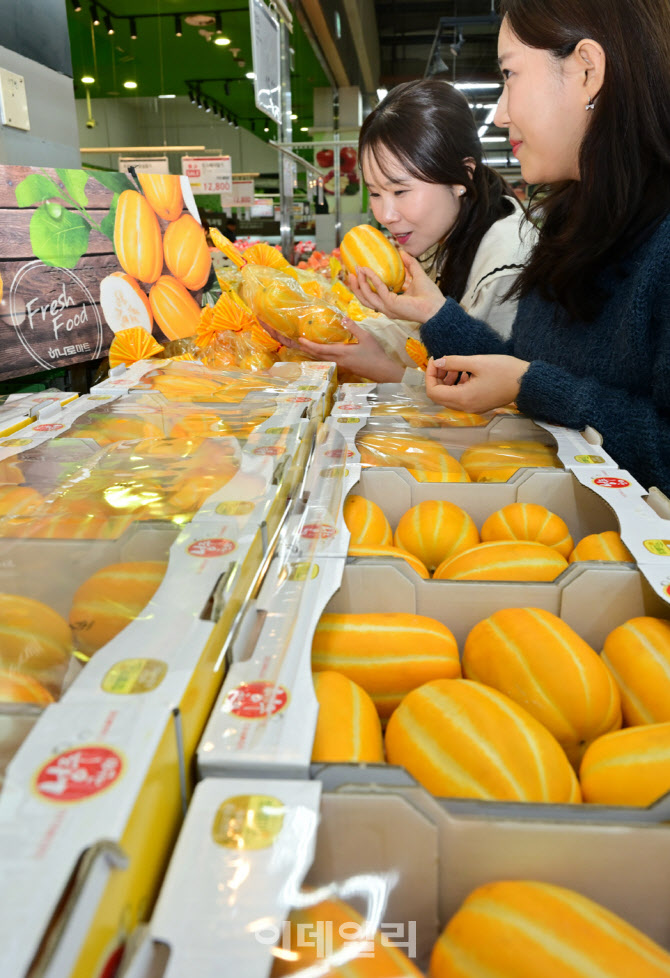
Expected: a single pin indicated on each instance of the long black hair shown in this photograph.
(427, 125)
(623, 189)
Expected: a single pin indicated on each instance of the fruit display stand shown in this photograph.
(90, 806)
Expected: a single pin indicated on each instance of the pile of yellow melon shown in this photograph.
(505, 928)
(520, 542)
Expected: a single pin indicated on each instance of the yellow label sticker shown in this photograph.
(308, 387)
(130, 676)
(301, 571)
(336, 472)
(661, 548)
(16, 442)
(235, 507)
(590, 459)
(278, 431)
(248, 822)
(348, 420)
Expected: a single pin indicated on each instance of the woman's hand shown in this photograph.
(418, 302)
(365, 358)
(474, 384)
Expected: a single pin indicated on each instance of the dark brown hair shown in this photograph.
(624, 160)
(428, 127)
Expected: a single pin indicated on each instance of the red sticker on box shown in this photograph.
(211, 548)
(77, 774)
(269, 450)
(48, 427)
(318, 531)
(611, 482)
(337, 452)
(256, 700)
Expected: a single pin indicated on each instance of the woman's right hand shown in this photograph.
(418, 302)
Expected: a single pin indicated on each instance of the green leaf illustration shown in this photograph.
(74, 182)
(118, 182)
(59, 241)
(34, 189)
(108, 221)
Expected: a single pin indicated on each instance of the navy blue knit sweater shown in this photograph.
(612, 373)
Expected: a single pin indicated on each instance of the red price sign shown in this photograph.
(256, 700)
(611, 482)
(211, 548)
(78, 774)
(318, 531)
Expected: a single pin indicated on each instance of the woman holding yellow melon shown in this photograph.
(455, 220)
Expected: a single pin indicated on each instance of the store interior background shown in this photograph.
(344, 54)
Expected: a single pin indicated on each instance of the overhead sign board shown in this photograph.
(265, 48)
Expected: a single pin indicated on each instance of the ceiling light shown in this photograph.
(457, 44)
(304, 128)
(94, 15)
(76, 6)
(133, 29)
(177, 25)
(267, 129)
(226, 88)
(494, 139)
(88, 79)
(382, 93)
(167, 96)
(250, 74)
(108, 24)
(223, 41)
(207, 106)
(217, 22)
(293, 115)
(130, 84)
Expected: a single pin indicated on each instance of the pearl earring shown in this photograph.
(461, 192)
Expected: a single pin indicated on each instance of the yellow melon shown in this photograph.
(541, 663)
(387, 653)
(17, 687)
(601, 546)
(434, 531)
(528, 521)
(497, 461)
(186, 252)
(366, 522)
(627, 767)
(19, 500)
(385, 551)
(462, 739)
(314, 934)
(163, 191)
(348, 728)
(413, 452)
(637, 654)
(137, 237)
(110, 599)
(503, 561)
(367, 247)
(34, 639)
(528, 929)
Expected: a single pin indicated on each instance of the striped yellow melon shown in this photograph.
(34, 639)
(528, 521)
(530, 929)
(497, 461)
(137, 237)
(387, 653)
(17, 687)
(110, 599)
(174, 308)
(434, 531)
(385, 551)
(543, 665)
(502, 561)
(627, 767)
(19, 500)
(637, 654)
(368, 247)
(186, 252)
(163, 191)
(419, 455)
(462, 739)
(348, 726)
(601, 546)
(366, 522)
(314, 933)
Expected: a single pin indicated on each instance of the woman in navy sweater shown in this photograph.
(587, 105)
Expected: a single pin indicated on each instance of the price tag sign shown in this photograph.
(243, 193)
(144, 164)
(265, 50)
(209, 175)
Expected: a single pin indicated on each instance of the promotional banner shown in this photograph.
(85, 254)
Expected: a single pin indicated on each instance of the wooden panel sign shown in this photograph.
(65, 291)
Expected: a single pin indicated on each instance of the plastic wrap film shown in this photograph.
(425, 458)
(197, 383)
(17, 719)
(409, 405)
(280, 302)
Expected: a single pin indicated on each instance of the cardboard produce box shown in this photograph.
(89, 810)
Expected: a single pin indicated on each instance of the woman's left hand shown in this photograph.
(366, 358)
(475, 384)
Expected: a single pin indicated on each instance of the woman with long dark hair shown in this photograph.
(455, 219)
(587, 105)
